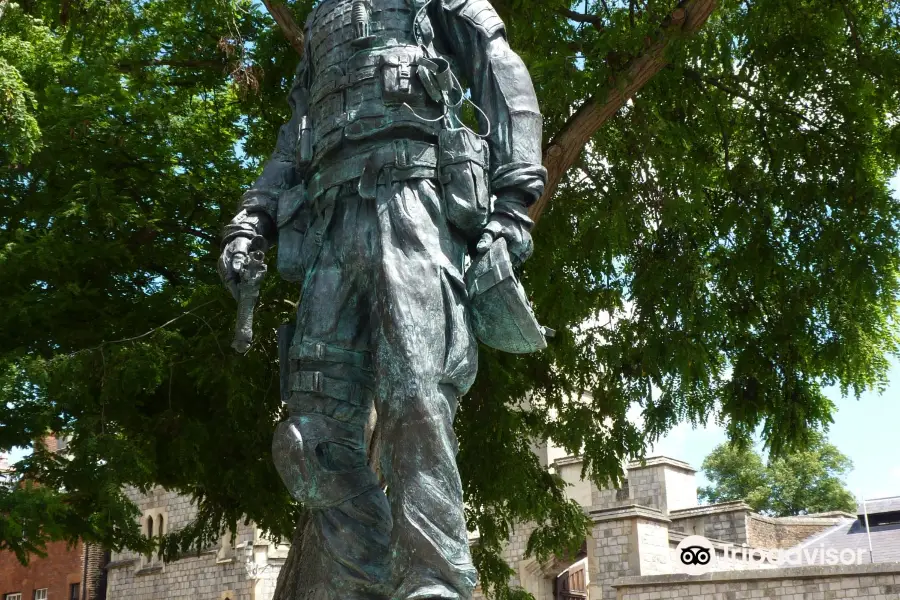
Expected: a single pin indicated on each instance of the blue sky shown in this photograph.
(864, 429)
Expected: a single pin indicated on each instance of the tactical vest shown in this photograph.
(363, 57)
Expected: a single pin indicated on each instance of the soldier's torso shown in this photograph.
(363, 90)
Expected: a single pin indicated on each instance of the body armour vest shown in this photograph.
(363, 58)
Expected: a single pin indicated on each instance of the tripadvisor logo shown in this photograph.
(695, 555)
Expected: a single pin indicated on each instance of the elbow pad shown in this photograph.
(479, 13)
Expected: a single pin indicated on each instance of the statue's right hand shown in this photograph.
(234, 254)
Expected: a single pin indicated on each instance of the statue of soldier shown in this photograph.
(378, 196)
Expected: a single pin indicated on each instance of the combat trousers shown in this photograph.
(382, 322)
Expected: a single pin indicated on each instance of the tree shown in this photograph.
(803, 482)
(718, 228)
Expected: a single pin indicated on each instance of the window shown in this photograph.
(13, 596)
(149, 527)
(75, 591)
(161, 521)
(40, 594)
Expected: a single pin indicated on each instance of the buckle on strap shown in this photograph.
(310, 381)
(321, 352)
(314, 382)
(401, 153)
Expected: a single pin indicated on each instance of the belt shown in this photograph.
(410, 156)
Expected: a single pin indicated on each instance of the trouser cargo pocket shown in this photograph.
(463, 163)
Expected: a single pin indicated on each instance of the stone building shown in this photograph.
(631, 553)
(243, 568)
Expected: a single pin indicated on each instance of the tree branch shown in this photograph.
(583, 18)
(287, 24)
(201, 234)
(566, 146)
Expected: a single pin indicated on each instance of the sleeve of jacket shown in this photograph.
(259, 204)
(502, 88)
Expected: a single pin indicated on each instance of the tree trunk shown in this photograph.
(286, 22)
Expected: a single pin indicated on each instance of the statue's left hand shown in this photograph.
(509, 221)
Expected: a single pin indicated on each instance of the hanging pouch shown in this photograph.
(293, 221)
(399, 83)
(463, 164)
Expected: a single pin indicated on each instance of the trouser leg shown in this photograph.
(321, 450)
(425, 358)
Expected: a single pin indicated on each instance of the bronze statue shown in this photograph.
(379, 198)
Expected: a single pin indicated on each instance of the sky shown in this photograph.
(865, 430)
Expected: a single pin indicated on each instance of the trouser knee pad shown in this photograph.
(322, 460)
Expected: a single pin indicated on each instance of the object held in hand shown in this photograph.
(251, 275)
(502, 317)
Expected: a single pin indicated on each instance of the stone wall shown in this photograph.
(217, 573)
(662, 483)
(647, 487)
(681, 489)
(785, 532)
(611, 554)
(579, 490)
(654, 555)
(878, 582)
(626, 541)
(514, 555)
(726, 522)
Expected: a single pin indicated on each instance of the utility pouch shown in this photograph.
(292, 219)
(304, 144)
(285, 338)
(463, 159)
(399, 84)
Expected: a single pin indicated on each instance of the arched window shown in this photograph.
(161, 528)
(149, 527)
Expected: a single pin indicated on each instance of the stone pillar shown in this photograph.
(662, 483)
(625, 542)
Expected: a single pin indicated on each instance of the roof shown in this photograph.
(851, 534)
(655, 461)
(880, 506)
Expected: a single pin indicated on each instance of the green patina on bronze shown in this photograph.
(379, 198)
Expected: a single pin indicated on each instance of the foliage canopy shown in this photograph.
(727, 245)
(802, 482)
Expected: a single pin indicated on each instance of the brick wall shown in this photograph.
(877, 582)
(61, 568)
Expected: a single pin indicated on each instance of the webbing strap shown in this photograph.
(315, 382)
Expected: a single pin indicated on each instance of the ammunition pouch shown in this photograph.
(462, 169)
(292, 219)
